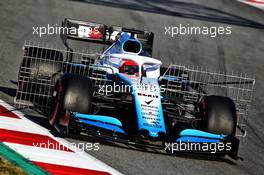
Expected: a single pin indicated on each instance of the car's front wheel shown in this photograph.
(218, 115)
(72, 94)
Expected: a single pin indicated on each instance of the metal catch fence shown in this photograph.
(42, 65)
(191, 83)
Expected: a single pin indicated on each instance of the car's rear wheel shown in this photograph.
(218, 115)
(72, 94)
(38, 68)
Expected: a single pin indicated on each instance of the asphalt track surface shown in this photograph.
(242, 51)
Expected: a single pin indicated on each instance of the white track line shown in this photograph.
(55, 157)
(21, 125)
(255, 3)
(77, 158)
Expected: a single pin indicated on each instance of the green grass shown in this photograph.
(7, 168)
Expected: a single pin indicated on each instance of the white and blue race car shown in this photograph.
(124, 95)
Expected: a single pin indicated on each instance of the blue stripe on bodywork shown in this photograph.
(196, 139)
(99, 118)
(198, 133)
(103, 125)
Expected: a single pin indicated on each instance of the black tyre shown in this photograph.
(72, 93)
(218, 115)
(39, 67)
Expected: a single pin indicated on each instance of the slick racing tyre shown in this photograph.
(72, 93)
(218, 115)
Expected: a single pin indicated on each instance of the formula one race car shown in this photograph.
(124, 95)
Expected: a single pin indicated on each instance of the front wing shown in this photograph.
(187, 141)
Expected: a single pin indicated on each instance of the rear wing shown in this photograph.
(101, 33)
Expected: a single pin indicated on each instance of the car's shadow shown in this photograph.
(180, 9)
(8, 91)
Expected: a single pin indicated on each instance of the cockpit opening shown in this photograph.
(129, 67)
